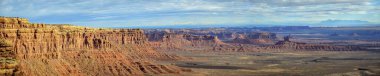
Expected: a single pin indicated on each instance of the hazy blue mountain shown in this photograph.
(343, 23)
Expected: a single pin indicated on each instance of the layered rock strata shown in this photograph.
(8, 62)
(255, 38)
(168, 41)
(45, 49)
(246, 42)
(172, 41)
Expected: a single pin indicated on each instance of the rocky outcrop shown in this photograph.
(164, 40)
(290, 45)
(167, 41)
(255, 38)
(8, 62)
(171, 41)
(203, 40)
(15, 22)
(45, 49)
(207, 40)
(221, 33)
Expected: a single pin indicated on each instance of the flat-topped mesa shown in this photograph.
(198, 37)
(204, 41)
(16, 22)
(188, 42)
(30, 40)
(290, 45)
(72, 50)
(255, 38)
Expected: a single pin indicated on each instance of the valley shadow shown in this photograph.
(212, 66)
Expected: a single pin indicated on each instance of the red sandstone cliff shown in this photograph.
(8, 63)
(44, 49)
(171, 41)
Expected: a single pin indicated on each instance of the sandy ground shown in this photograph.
(291, 63)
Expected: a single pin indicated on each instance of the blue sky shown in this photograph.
(119, 13)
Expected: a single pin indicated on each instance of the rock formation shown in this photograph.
(290, 45)
(255, 38)
(64, 50)
(8, 62)
(208, 40)
(15, 22)
(174, 41)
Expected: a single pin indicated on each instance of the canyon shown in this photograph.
(31, 49)
(249, 41)
(61, 49)
(271, 51)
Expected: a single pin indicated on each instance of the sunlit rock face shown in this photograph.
(61, 49)
(170, 41)
(15, 22)
(179, 41)
(255, 38)
(8, 62)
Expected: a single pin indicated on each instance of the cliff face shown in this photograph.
(8, 63)
(255, 38)
(164, 40)
(15, 22)
(44, 49)
(204, 40)
(173, 41)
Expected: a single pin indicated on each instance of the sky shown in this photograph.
(120, 13)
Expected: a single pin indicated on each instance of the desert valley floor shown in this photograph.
(292, 63)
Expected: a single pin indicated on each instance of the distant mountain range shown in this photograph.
(325, 23)
(343, 23)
